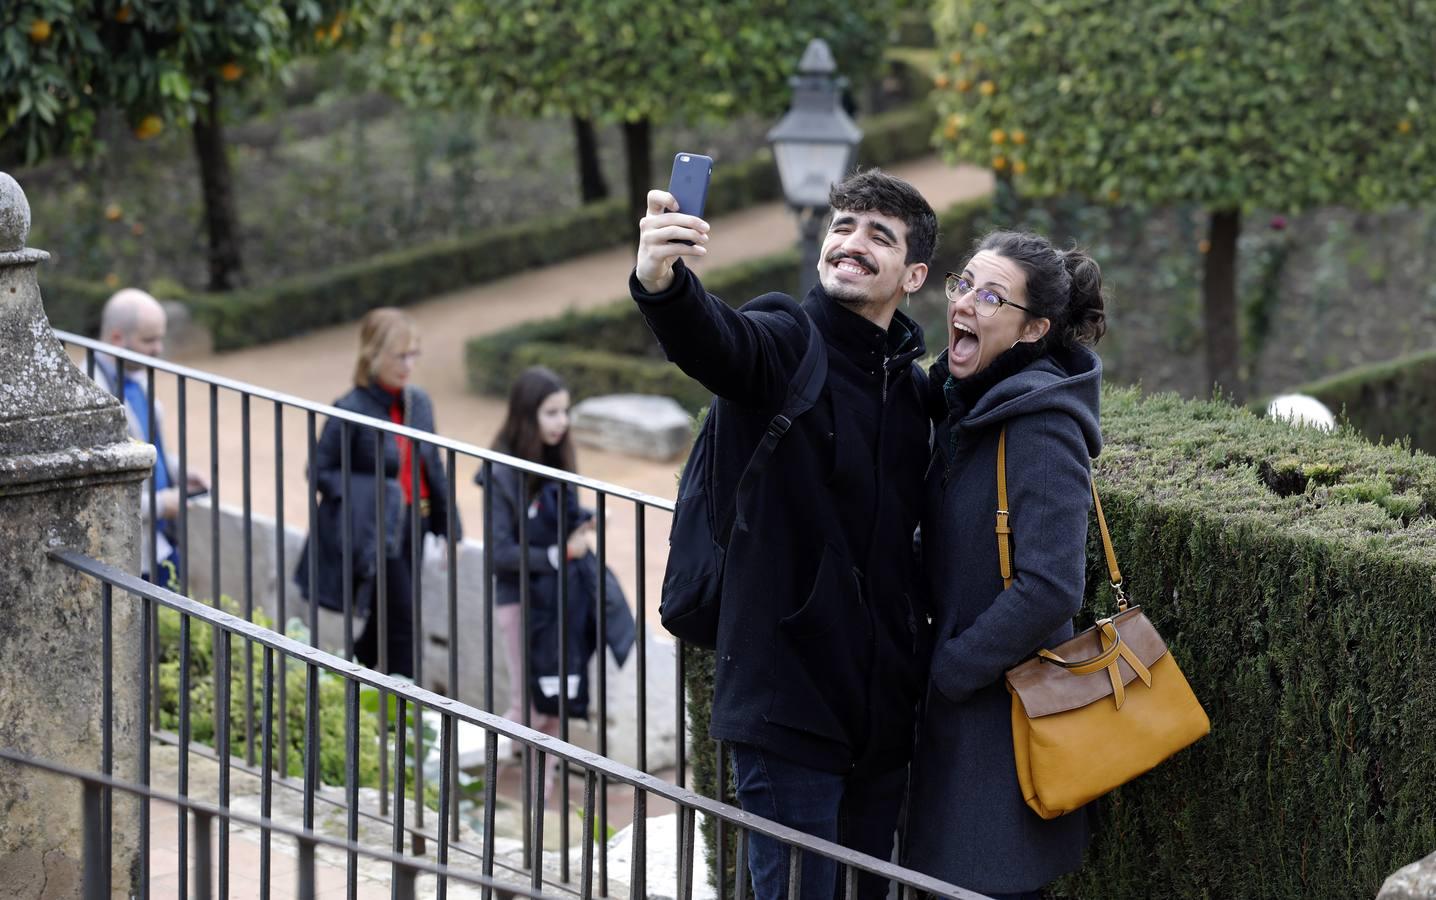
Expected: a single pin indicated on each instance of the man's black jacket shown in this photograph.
(822, 636)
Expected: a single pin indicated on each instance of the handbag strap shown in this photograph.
(1004, 530)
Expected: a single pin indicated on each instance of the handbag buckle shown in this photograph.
(1121, 596)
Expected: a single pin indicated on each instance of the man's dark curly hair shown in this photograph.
(876, 191)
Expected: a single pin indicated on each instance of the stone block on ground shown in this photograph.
(642, 425)
(1414, 882)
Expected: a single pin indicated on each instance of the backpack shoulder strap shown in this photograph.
(803, 392)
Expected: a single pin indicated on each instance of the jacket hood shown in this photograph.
(1064, 380)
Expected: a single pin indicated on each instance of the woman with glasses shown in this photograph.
(388, 352)
(1022, 317)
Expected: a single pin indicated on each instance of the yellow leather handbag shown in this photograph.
(1099, 709)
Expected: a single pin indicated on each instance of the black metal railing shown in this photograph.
(411, 703)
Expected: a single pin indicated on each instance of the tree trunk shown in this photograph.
(218, 188)
(591, 185)
(638, 153)
(1219, 301)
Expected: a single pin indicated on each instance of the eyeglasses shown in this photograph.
(987, 303)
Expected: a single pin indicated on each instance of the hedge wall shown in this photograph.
(1386, 401)
(292, 306)
(630, 360)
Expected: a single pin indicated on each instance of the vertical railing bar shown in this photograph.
(182, 534)
(721, 795)
(90, 363)
(311, 742)
(416, 604)
(346, 535)
(536, 867)
(214, 541)
(304, 872)
(795, 871)
(95, 868)
(154, 530)
(401, 718)
(266, 778)
(107, 724)
(381, 609)
(601, 642)
(488, 518)
(142, 736)
(404, 876)
(281, 578)
(491, 802)
(247, 490)
(641, 634)
(687, 822)
(451, 468)
(313, 543)
(351, 783)
(850, 883)
(525, 666)
(680, 654)
(183, 774)
(446, 796)
(741, 878)
(563, 663)
(586, 878)
(638, 864)
(222, 662)
(203, 875)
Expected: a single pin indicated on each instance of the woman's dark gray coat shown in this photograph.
(967, 822)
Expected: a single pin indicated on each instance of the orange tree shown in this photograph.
(1230, 105)
(629, 62)
(160, 63)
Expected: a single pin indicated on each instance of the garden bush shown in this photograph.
(1387, 401)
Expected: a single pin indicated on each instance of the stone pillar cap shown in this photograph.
(15, 225)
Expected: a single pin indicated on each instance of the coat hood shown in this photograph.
(1064, 380)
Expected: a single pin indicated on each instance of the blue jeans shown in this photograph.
(859, 812)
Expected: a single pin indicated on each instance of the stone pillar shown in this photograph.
(69, 477)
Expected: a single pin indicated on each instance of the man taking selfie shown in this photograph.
(821, 646)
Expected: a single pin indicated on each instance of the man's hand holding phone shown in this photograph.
(674, 227)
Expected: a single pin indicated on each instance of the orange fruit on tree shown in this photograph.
(979, 28)
(150, 126)
(999, 164)
(940, 81)
(1204, 246)
(987, 88)
(955, 57)
(113, 212)
(124, 14)
(964, 84)
(998, 136)
(39, 31)
(1019, 168)
(1404, 126)
(1019, 137)
(231, 71)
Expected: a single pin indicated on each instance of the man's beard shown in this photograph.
(853, 297)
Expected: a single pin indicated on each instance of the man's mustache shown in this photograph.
(838, 255)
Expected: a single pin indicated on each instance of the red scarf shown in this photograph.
(406, 449)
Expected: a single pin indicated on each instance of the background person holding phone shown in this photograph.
(822, 644)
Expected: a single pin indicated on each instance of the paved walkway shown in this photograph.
(318, 366)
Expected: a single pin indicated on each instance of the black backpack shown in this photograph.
(702, 521)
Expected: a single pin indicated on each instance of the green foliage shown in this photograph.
(1301, 618)
(1387, 401)
(631, 360)
(63, 63)
(1228, 105)
(617, 60)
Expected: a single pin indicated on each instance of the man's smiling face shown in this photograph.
(864, 258)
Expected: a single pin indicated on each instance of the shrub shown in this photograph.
(1386, 401)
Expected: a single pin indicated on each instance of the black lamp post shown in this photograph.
(814, 145)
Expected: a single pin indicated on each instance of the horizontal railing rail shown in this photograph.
(411, 700)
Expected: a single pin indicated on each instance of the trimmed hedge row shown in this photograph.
(1386, 401)
(631, 360)
(1291, 573)
(295, 305)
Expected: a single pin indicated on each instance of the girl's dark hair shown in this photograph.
(1062, 285)
(519, 435)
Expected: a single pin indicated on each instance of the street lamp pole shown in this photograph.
(814, 145)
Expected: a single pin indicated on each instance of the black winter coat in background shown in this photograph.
(326, 475)
(821, 653)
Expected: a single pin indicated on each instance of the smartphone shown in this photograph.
(689, 183)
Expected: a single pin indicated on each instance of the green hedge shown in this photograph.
(631, 360)
(1386, 401)
(1291, 573)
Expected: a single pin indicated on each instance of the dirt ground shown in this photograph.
(317, 367)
